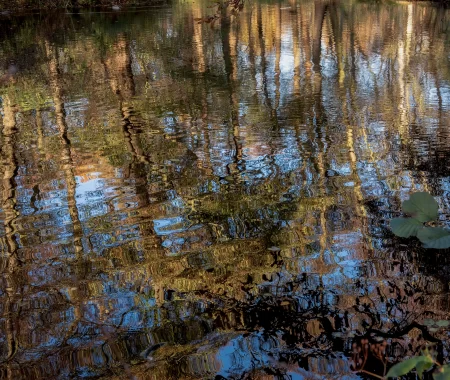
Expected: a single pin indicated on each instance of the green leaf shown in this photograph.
(434, 237)
(405, 227)
(443, 373)
(422, 206)
(406, 366)
(423, 366)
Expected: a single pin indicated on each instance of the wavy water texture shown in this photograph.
(184, 200)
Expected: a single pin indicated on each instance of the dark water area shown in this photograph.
(184, 200)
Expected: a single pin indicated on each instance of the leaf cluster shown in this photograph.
(421, 363)
(423, 209)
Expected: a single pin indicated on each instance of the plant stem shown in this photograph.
(372, 374)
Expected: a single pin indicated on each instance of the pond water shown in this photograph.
(188, 200)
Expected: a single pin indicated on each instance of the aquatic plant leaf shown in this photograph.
(405, 227)
(423, 366)
(443, 323)
(422, 206)
(443, 373)
(406, 366)
(434, 237)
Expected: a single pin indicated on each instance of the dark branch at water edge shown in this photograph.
(7, 6)
(114, 5)
(234, 6)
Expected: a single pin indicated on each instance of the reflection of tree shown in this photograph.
(200, 63)
(262, 47)
(66, 152)
(68, 167)
(9, 170)
(118, 69)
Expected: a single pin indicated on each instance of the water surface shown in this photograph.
(184, 200)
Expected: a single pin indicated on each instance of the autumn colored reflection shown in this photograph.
(212, 200)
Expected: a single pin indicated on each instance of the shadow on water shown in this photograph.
(212, 200)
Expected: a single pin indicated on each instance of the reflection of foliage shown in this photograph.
(28, 93)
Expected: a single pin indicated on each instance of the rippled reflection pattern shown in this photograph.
(184, 200)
